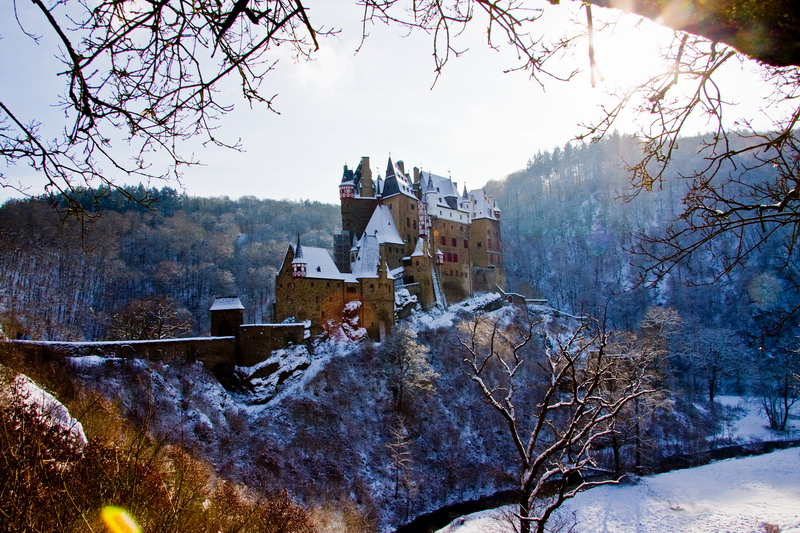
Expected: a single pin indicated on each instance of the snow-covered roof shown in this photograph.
(446, 190)
(226, 303)
(320, 265)
(368, 257)
(396, 273)
(483, 205)
(382, 226)
(419, 249)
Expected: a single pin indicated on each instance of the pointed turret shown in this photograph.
(298, 263)
(347, 174)
(389, 168)
(431, 194)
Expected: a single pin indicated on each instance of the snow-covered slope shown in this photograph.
(736, 496)
(24, 392)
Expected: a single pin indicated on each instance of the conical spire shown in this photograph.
(429, 186)
(389, 168)
(298, 251)
(465, 196)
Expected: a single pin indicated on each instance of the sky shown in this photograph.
(474, 123)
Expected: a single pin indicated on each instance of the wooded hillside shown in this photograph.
(570, 233)
(65, 281)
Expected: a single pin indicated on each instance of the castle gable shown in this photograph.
(396, 182)
(382, 226)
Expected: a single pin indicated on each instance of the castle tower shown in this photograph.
(227, 316)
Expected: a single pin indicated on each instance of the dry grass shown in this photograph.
(47, 483)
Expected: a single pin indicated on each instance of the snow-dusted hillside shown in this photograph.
(323, 422)
(318, 422)
(753, 494)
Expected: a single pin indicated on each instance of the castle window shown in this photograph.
(444, 240)
(413, 207)
(408, 222)
(479, 244)
(351, 290)
(466, 243)
(455, 258)
(415, 224)
(453, 240)
(490, 243)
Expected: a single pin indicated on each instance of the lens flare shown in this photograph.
(119, 521)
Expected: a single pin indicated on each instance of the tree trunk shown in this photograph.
(524, 514)
(615, 447)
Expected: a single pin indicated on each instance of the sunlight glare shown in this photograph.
(627, 51)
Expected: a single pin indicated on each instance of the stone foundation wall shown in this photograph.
(257, 341)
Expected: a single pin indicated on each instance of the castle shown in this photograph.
(405, 237)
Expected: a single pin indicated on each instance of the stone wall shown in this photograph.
(217, 353)
(257, 341)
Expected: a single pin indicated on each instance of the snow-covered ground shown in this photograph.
(45, 406)
(749, 424)
(735, 495)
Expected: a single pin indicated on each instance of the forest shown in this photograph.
(68, 279)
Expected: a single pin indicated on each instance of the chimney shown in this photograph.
(366, 171)
(416, 174)
(367, 185)
(402, 167)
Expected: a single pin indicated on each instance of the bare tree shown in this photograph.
(716, 354)
(151, 70)
(150, 318)
(777, 384)
(576, 391)
(399, 449)
(407, 364)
